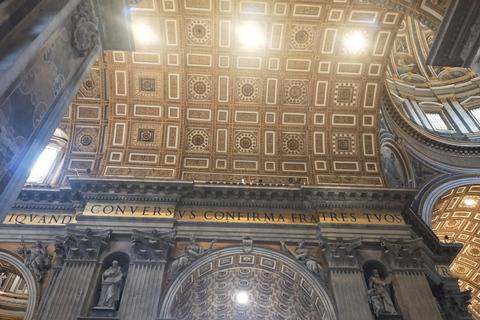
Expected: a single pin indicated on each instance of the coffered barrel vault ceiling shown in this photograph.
(456, 219)
(199, 101)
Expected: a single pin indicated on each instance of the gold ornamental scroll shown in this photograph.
(244, 216)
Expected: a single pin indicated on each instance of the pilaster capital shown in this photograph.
(81, 245)
(340, 252)
(152, 246)
(401, 253)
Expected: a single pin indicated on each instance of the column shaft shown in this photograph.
(72, 291)
(350, 293)
(142, 292)
(414, 297)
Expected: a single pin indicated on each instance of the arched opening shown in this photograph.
(456, 219)
(231, 284)
(19, 294)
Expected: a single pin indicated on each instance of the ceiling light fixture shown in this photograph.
(469, 202)
(242, 297)
(250, 35)
(143, 33)
(354, 42)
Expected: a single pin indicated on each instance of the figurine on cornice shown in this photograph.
(36, 258)
(304, 256)
(379, 294)
(193, 251)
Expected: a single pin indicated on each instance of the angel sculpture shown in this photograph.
(193, 251)
(304, 256)
(36, 258)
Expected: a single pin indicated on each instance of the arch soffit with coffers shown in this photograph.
(174, 288)
(30, 280)
(435, 191)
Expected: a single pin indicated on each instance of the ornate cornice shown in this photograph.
(256, 195)
(425, 139)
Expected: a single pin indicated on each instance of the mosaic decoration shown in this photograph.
(197, 139)
(91, 87)
(247, 90)
(295, 92)
(199, 87)
(146, 135)
(246, 142)
(293, 144)
(346, 94)
(147, 84)
(198, 32)
(344, 143)
(302, 37)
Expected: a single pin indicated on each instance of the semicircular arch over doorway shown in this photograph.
(276, 286)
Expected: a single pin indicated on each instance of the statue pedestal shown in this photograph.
(104, 312)
(390, 317)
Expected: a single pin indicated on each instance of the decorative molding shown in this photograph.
(85, 34)
(81, 245)
(402, 254)
(340, 252)
(425, 139)
(152, 246)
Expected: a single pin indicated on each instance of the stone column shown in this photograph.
(71, 292)
(43, 61)
(347, 278)
(412, 292)
(143, 288)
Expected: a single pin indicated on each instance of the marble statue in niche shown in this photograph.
(112, 280)
(36, 258)
(379, 295)
(305, 257)
(192, 252)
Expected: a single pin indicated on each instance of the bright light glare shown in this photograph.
(143, 33)
(469, 202)
(250, 35)
(354, 42)
(43, 165)
(242, 297)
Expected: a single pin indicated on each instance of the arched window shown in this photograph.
(436, 117)
(48, 166)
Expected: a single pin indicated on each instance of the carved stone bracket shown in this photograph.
(402, 253)
(247, 243)
(85, 34)
(152, 246)
(81, 245)
(454, 304)
(340, 252)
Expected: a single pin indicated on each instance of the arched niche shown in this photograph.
(30, 281)
(275, 284)
(123, 261)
